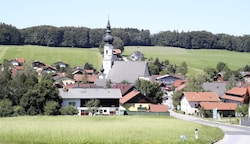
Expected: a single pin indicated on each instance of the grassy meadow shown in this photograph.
(197, 60)
(50, 55)
(103, 130)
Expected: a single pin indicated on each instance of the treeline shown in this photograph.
(86, 37)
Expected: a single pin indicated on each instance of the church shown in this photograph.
(118, 71)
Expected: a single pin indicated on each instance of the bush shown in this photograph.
(68, 110)
(18, 110)
(51, 108)
(6, 108)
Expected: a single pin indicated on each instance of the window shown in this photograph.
(106, 51)
(72, 103)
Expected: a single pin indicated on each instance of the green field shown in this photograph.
(103, 130)
(50, 55)
(197, 60)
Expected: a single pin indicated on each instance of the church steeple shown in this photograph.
(108, 60)
(108, 37)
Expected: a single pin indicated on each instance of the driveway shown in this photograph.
(233, 134)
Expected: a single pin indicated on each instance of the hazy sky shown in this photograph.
(216, 16)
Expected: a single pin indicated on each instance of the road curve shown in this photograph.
(233, 134)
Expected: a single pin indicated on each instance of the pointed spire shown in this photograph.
(108, 37)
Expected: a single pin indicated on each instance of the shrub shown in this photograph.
(6, 108)
(18, 110)
(68, 110)
(51, 108)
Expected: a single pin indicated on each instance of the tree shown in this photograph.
(51, 108)
(6, 108)
(176, 98)
(195, 82)
(242, 109)
(220, 66)
(211, 73)
(231, 82)
(92, 105)
(151, 90)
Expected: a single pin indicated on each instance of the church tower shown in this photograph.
(108, 50)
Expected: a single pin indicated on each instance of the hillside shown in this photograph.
(196, 60)
(50, 55)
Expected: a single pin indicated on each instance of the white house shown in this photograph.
(78, 97)
(190, 100)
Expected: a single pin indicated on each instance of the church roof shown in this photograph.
(108, 37)
(128, 70)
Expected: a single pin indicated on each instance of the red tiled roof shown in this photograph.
(158, 108)
(201, 96)
(237, 91)
(78, 77)
(181, 87)
(234, 98)
(219, 105)
(89, 71)
(92, 78)
(129, 96)
(123, 87)
(20, 60)
(117, 51)
(178, 83)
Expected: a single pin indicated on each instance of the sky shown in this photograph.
(216, 16)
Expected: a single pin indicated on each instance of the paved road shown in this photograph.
(233, 134)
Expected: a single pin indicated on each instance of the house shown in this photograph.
(167, 80)
(190, 100)
(179, 84)
(78, 71)
(219, 87)
(246, 76)
(238, 95)
(117, 54)
(136, 56)
(86, 78)
(219, 76)
(49, 69)
(158, 108)
(128, 70)
(125, 88)
(61, 64)
(17, 62)
(135, 101)
(223, 109)
(38, 64)
(80, 85)
(63, 79)
(78, 97)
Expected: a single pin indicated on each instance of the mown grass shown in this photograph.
(197, 60)
(103, 130)
(50, 55)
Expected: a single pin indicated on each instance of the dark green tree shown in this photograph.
(151, 90)
(6, 108)
(220, 66)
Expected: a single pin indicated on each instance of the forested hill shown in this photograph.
(86, 37)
